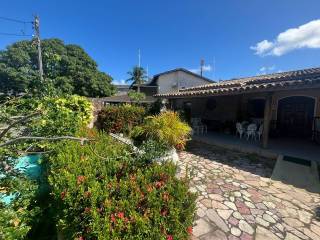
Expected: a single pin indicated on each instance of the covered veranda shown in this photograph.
(285, 105)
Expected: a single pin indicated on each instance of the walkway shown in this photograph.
(282, 146)
(237, 199)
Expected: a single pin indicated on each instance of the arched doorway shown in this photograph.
(295, 116)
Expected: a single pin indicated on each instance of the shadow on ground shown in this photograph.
(246, 162)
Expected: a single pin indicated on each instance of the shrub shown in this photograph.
(120, 119)
(104, 191)
(166, 128)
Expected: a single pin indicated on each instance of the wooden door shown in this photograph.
(295, 116)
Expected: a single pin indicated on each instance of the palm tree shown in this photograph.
(137, 76)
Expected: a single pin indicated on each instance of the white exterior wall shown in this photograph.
(178, 80)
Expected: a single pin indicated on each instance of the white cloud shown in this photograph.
(267, 69)
(304, 36)
(205, 68)
(119, 82)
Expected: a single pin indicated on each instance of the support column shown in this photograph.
(266, 121)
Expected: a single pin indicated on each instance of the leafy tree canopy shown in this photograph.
(70, 69)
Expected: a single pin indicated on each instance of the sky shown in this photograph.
(235, 38)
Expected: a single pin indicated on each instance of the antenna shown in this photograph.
(214, 68)
(147, 72)
(201, 67)
(139, 58)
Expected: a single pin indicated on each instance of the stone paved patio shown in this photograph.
(238, 200)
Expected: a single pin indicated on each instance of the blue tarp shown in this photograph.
(29, 165)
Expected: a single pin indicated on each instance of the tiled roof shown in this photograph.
(299, 78)
(125, 99)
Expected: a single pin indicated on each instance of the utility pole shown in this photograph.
(36, 26)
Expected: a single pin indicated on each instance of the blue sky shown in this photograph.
(178, 33)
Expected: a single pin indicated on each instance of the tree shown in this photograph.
(137, 76)
(68, 67)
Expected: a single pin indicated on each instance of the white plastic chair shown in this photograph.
(260, 131)
(240, 129)
(197, 126)
(251, 131)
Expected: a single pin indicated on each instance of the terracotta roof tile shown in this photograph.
(270, 81)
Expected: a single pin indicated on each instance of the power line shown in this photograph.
(14, 20)
(15, 34)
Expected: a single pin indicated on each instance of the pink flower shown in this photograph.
(169, 237)
(120, 215)
(113, 219)
(189, 230)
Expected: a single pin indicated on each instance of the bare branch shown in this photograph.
(82, 140)
(21, 120)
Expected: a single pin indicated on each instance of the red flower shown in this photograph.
(169, 237)
(87, 210)
(165, 196)
(63, 195)
(113, 219)
(81, 238)
(189, 230)
(159, 184)
(164, 212)
(120, 215)
(87, 194)
(80, 179)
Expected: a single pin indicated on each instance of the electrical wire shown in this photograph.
(15, 34)
(14, 20)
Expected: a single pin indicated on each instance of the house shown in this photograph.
(286, 104)
(166, 82)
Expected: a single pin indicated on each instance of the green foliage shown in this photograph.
(120, 119)
(137, 77)
(57, 116)
(136, 96)
(67, 68)
(62, 116)
(105, 191)
(167, 128)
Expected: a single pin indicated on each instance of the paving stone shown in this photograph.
(200, 212)
(231, 205)
(293, 222)
(304, 216)
(225, 214)
(235, 231)
(268, 218)
(216, 235)
(218, 205)
(244, 226)
(214, 217)
(246, 236)
(262, 222)
(201, 227)
(265, 234)
(290, 236)
(234, 193)
(316, 229)
(311, 234)
(237, 215)
(216, 197)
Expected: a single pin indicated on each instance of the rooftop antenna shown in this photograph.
(201, 67)
(147, 72)
(214, 68)
(139, 58)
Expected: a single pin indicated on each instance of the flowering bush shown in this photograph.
(120, 119)
(105, 191)
(167, 128)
